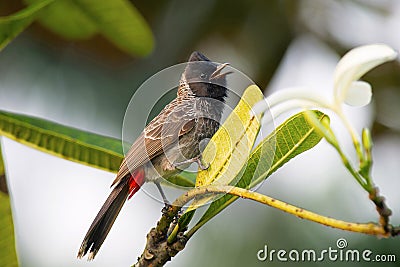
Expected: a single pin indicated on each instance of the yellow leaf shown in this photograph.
(229, 148)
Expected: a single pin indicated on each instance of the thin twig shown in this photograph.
(365, 228)
(383, 210)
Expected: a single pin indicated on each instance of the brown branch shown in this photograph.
(157, 251)
(383, 210)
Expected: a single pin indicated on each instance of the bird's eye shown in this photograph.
(203, 76)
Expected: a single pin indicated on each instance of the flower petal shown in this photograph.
(290, 98)
(356, 63)
(286, 106)
(358, 94)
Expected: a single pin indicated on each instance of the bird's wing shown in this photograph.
(176, 119)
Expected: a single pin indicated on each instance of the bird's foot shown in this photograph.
(203, 166)
(166, 208)
(198, 160)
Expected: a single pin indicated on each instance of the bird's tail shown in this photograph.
(104, 220)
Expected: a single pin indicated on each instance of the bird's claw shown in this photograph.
(198, 160)
(166, 208)
(201, 165)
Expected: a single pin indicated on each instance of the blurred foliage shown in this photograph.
(3, 184)
(12, 25)
(8, 254)
(259, 30)
(117, 20)
(76, 25)
(242, 24)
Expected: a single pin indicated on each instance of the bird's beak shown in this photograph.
(217, 73)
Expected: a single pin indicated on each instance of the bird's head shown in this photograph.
(205, 78)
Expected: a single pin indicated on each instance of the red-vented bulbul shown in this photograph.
(168, 144)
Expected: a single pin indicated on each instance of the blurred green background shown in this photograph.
(88, 84)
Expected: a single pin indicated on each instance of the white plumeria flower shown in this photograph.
(352, 67)
(347, 87)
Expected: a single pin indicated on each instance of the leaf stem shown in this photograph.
(353, 134)
(352, 171)
(365, 228)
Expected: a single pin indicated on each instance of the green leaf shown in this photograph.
(185, 179)
(12, 25)
(8, 253)
(229, 148)
(323, 128)
(295, 136)
(121, 23)
(2, 168)
(66, 142)
(69, 143)
(65, 18)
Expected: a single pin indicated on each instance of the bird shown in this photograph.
(168, 144)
